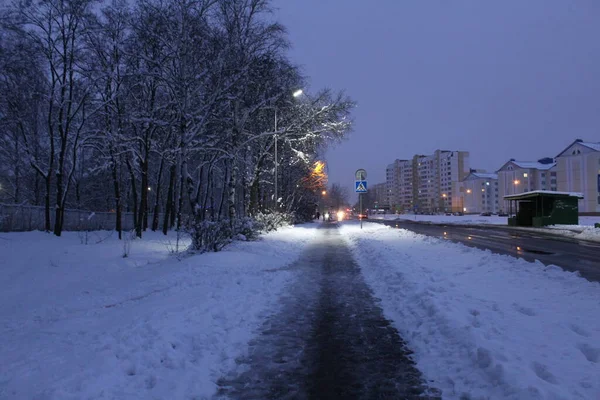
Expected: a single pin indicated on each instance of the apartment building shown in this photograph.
(426, 183)
(377, 196)
(479, 191)
(399, 178)
(525, 176)
(578, 170)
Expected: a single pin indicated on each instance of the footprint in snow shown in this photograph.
(524, 310)
(592, 354)
(579, 330)
(542, 372)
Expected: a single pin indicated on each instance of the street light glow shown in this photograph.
(468, 190)
(324, 192)
(297, 93)
(517, 182)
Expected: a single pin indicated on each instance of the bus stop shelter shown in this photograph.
(543, 207)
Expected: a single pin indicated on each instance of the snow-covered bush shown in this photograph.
(210, 235)
(271, 221)
(248, 228)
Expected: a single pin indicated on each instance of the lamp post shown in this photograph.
(297, 93)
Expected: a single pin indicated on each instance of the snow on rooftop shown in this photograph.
(484, 175)
(572, 194)
(591, 145)
(533, 165)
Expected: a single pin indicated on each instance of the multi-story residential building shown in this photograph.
(399, 177)
(390, 194)
(426, 182)
(377, 195)
(578, 170)
(479, 191)
(525, 176)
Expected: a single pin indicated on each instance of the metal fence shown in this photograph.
(19, 218)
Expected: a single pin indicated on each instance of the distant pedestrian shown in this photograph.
(318, 215)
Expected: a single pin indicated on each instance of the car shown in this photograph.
(486, 214)
(502, 214)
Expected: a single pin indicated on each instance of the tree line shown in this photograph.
(185, 108)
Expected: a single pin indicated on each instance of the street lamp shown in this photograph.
(297, 93)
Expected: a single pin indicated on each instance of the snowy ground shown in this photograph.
(80, 321)
(484, 325)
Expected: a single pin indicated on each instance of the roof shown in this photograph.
(593, 146)
(484, 175)
(529, 165)
(533, 165)
(545, 193)
(590, 145)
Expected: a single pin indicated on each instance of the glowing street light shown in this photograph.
(468, 190)
(324, 192)
(297, 93)
(517, 182)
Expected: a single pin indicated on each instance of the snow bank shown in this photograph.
(446, 219)
(80, 321)
(484, 325)
(584, 221)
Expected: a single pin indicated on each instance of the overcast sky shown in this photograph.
(498, 78)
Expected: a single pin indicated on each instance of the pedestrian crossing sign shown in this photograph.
(360, 186)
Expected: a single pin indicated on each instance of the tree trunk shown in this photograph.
(142, 221)
(157, 196)
(133, 192)
(115, 176)
(169, 209)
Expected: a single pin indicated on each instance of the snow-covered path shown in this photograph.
(481, 325)
(330, 340)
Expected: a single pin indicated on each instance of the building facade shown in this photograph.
(479, 193)
(426, 183)
(516, 177)
(578, 170)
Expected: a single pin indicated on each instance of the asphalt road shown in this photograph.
(567, 253)
(330, 339)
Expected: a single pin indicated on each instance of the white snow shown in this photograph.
(584, 221)
(570, 194)
(481, 325)
(81, 322)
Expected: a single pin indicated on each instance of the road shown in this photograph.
(329, 340)
(567, 253)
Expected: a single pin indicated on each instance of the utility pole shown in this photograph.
(276, 162)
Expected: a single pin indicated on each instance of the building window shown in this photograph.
(552, 173)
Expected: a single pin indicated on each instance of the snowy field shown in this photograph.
(484, 326)
(80, 321)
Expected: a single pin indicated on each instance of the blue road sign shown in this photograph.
(360, 186)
